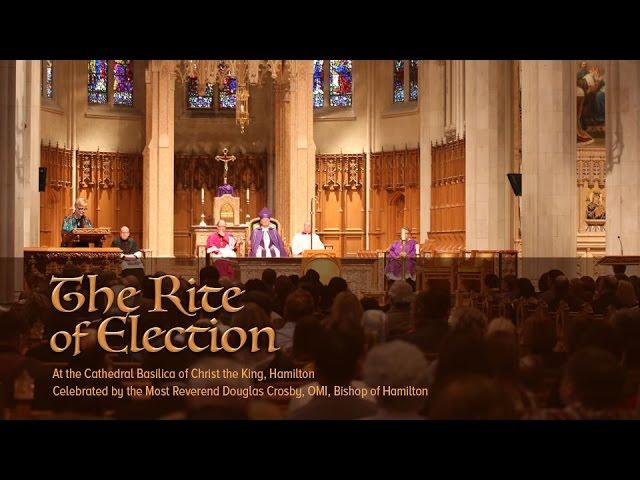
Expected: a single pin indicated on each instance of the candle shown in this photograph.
(202, 195)
(247, 195)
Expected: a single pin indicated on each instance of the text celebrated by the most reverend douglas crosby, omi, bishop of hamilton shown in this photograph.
(222, 390)
(198, 339)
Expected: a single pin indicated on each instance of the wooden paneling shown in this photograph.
(340, 217)
(395, 196)
(447, 196)
(110, 181)
(112, 184)
(55, 201)
(194, 172)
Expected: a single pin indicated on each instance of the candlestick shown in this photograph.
(203, 223)
(247, 216)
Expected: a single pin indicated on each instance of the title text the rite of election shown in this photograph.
(215, 342)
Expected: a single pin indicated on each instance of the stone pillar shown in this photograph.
(431, 79)
(295, 163)
(19, 162)
(455, 97)
(488, 155)
(157, 194)
(623, 157)
(549, 222)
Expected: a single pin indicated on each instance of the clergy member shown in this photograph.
(76, 220)
(131, 254)
(221, 243)
(399, 254)
(302, 241)
(265, 239)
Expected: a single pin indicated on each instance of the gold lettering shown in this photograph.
(226, 297)
(54, 344)
(175, 285)
(150, 334)
(255, 333)
(167, 340)
(55, 295)
(225, 342)
(125, 293)
(205, 298)
(93, 292)
(192, 330)
(102, 335)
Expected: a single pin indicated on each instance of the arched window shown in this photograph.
(215, 97)
(100, 79)
(339, 89)
(47, 79)
(403, 83)
(123, 82)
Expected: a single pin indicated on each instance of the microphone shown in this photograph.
(621, 249)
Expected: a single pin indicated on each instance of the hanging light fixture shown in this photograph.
(246, 73)
(242, 106)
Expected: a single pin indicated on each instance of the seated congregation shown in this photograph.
(569, 349)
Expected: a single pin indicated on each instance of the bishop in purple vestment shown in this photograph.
(393, 270)
(265, 240)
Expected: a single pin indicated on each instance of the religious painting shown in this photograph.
(595, 205)
(590, 91)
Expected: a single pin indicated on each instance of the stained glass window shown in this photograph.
(227, 94)
(340, 87)
(123, 82)
(196, 101)
(413, 79)
(97, 84)
(48, 78)
(318, 83)
(398, 81)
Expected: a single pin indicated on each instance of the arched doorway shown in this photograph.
(396, 217)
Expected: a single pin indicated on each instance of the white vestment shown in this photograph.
(302, 242)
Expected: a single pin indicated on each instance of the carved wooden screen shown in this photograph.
(112, 184)
(395, 196)
(193, 172)
(340, 218)
(447, 196)
(55, 201)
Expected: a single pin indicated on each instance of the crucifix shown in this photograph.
(226, 159)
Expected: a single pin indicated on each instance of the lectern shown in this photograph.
(86, 237)
(619, 260)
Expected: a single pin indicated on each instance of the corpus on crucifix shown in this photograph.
(226, 158)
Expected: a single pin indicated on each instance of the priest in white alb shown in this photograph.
(306, 240)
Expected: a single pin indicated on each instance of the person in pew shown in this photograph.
(77, 219)
(131, 254)
(306, 240)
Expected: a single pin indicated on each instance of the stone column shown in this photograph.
(623, 157)
(549, 222)
(455, 97)
(157, 194)
(295, 163)
(488, 154)
(431, 99)
(19, 162)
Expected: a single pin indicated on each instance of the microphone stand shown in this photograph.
(621, 249)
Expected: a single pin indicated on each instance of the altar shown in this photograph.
(364, 275)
